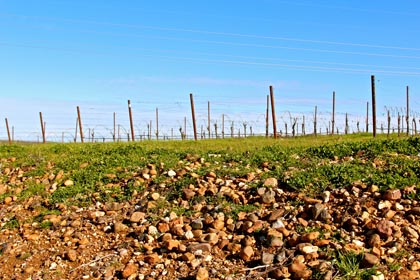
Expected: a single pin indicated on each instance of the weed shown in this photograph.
(348, 265)
(11, 224)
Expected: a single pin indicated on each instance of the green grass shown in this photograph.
(310, 164)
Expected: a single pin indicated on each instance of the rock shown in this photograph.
(137, 217)
(392, 194)
(316, 210)
(307, 248)
(188, 257)
(120, 227)
(410, 232)
(408, 275)
(71, 255)
(155, 196)
(310, 236)
(152, 258)
(171, 173)
(197, 224)
(246, 253)
(172, 244)
(267, 258)
(384, 205)
(415, 211)
(299, 270)
(276, 214)
(415, 266)
(276, 242)
(370, 260)
(212, 238)
(204, 247)
(188, 194)
(374, 240)
(68, 183)
(271, 182)
(129, 270)
(218, 224)
(268, 197)
(8, 200)
(202, 274)
(384, 228)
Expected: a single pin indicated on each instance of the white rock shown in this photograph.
(171, 173)
(310, 249)
(278, 224)
(152, 230)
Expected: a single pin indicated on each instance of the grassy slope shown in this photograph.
(112, 170)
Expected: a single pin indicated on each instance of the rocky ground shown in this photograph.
(265, 232)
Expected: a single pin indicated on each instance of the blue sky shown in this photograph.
(56, 55)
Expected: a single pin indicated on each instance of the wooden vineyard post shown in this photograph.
(303, 126)
(193, 116)
(399, 124)
(80, 124)
(266, 116)
(333, 115)
(367, 117)
(372, 79)
(42, 128)
(316, 109)
(157, 124)
(223, 126)
(130, 115)
(346, 129)
(8, 131)
(389, 122)
(208, 119)
(273, 112)
(407, 116)
(115, 122)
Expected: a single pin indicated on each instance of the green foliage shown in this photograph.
(11, 224)
(348, 265)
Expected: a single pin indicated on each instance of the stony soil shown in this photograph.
(265, 232)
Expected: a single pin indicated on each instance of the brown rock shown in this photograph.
(68, 183)
(374, 240)
(188, 194)
(8, 200)
(71, 255)
(310, 236)
(299, 270)
(172, 244)
(370, 260)
(271, 182)
(415, 211)
(137, 217)
(120, 227)
(277, 213)
(202, 274)
(392, 194)
(188, 257)
(163, 227)
(410, 232)
(408, 275)
(246, 253)
(204, 247)
(152, 258)
(218, 224)
(129, 270)
(384, 228)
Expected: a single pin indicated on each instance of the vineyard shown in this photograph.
(326, 207)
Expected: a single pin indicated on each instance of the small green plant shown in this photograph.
(348, 265)
(11, 224)
(394, 266)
